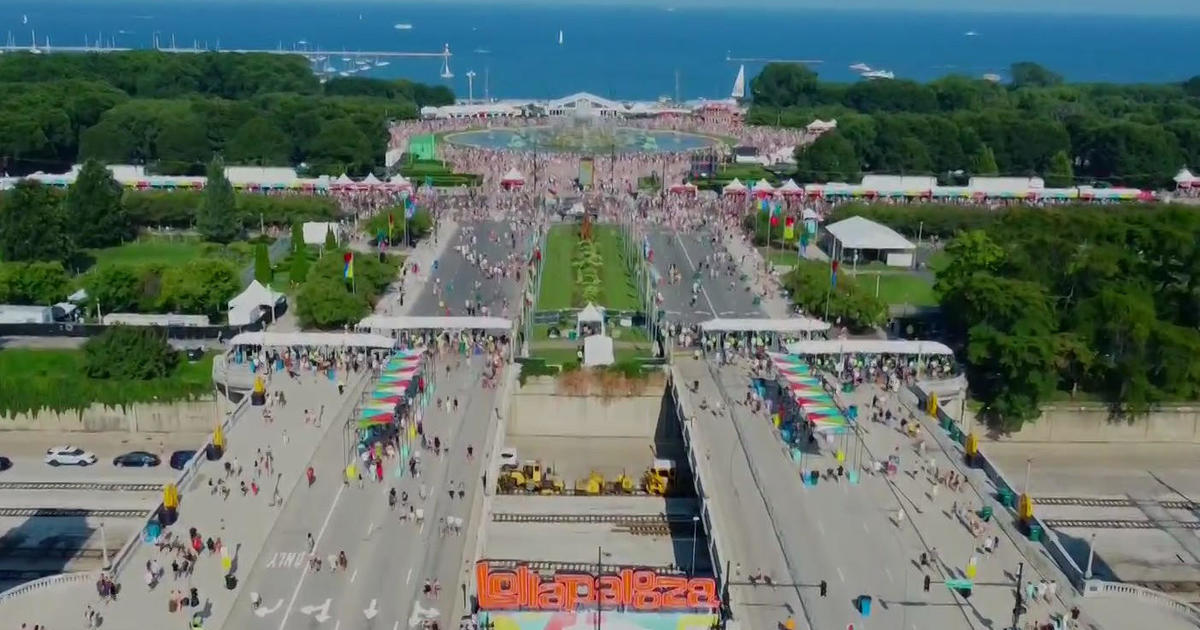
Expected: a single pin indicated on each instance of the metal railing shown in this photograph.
(1100, 588)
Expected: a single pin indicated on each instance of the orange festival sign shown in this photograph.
(635, 589)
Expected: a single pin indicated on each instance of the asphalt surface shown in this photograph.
(389, 558)
(458, 276)
(716, 299)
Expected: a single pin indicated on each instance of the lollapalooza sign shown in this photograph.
(639, 590)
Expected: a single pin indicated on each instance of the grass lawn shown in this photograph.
(899, 288)
(564, 354)
(54, 379)
(558, 284)
(152, 249)
(783, 257)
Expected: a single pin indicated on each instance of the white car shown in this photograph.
(508, 459)
(70, 456)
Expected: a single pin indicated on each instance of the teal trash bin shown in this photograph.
(1035, 532)
(985, 513)
(1006, 497)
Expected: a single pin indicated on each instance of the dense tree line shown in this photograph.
(328, 300)
(955, 127)
(1074, 300)
(810, 285)
(172, 112)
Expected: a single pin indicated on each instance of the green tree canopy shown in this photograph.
(217, 217)
(783, 84)
(1060, 174)
(34, 225)
(830, 158)
(262, 264)
(129, 353)
(36, 283)
(94, 205)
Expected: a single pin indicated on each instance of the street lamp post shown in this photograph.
(104, 547)
(1028, 469)
(692, 566)
(1087, 575)
(470, 86)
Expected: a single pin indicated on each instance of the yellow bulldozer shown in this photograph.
(593, 484)
(659, 478)
(532, 477)
(622, 484)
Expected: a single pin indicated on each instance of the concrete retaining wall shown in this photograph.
(539, 410)
(197, 416)
(1091, 423)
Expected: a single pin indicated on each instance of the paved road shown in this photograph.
(845, 534)
(458, 276)
(717, 299)
(243, 522)
(389, 559)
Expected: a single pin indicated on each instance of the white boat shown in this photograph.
(482, 51)
(379, 63)
(346, 59)
(739, 84)
(970, 34)
(560, 38)
(994, 78)
(403, 27)
(343, 74)
(879, 74)
(860, 67)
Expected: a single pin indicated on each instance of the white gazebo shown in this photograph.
(790, 188)
(735, 187)
(764, 188)
(1185, 179)
(343, 181)
(247, 307)
(512, 179)
(591, 314)
(863, 235)
(370, 180)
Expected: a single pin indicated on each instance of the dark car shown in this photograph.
(5, 463)
(137, 458)
(179, 459)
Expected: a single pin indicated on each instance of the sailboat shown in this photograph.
(560, 38)
(739, 84)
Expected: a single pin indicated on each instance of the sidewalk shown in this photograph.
(241, 522)
(751, 263)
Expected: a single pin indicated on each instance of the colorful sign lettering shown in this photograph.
(639, 590)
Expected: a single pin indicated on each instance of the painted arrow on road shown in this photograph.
(371, 610)
(322, 611)
(421, 614)
(263, 611)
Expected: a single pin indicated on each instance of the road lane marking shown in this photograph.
(408, 579)
(300, 583)
(337, 624)
(396, 626)
(889, 574)
(354, 576)
(322, 611)
(840, 575)
(263, 611)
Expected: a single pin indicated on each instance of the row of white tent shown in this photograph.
(763, 188)
(263, 179)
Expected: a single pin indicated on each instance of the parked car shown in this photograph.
(70, 456)
(5, 463)
(179, 459)
(137, 458)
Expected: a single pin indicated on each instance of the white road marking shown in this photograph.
(263, 611)
(889, 574)
(864, 524)
(396, 626)
(354, 576)
(840, 574)
(408, 579)
(322, 611)
(337, 624)
(303, 574)
(371, 610)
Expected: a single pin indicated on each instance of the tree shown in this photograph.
(217, 218)
(297, 243)
(201, 287)
(1060, 174)
(114, 288)
(326, 303)
(129, 353)
(95, 208)
(262, 264)
(298, 271)
(331, 243)
(830, 158)
(984, 162)
(259, 141)
(182, 145)
(783, 85)
(341, 146)
(36, 283)
(1029, 74)
(34, 226)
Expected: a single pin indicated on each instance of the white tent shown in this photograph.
(1184, 177)
(385, 322)
(862, 233)
(399, 180)
(312, 339)
(822, 125)
(371, 180)
(790, 187)
(514, 176)
(343, 180)
(315, 231)
(790, 325)
(735, 186)
(763, 186)
(246, 307)
(591, 314)
(868, 346)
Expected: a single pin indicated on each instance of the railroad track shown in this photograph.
(81, 485)
(1120, 524)
(616, 519)
(44, 512)
(1111, 502)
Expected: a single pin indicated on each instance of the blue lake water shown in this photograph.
(634, 52)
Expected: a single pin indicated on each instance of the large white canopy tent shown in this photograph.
(311, 339)
(869, 346)
(790, 325)
(246, 307)
(387, 322)
(861, 234)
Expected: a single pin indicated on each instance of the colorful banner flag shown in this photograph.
(789, 229)
(410, 207)
(833, 274)
(348, 270)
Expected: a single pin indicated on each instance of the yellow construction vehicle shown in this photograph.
(659, 479)
(623, 484)
(530, 477)
(593, 484)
